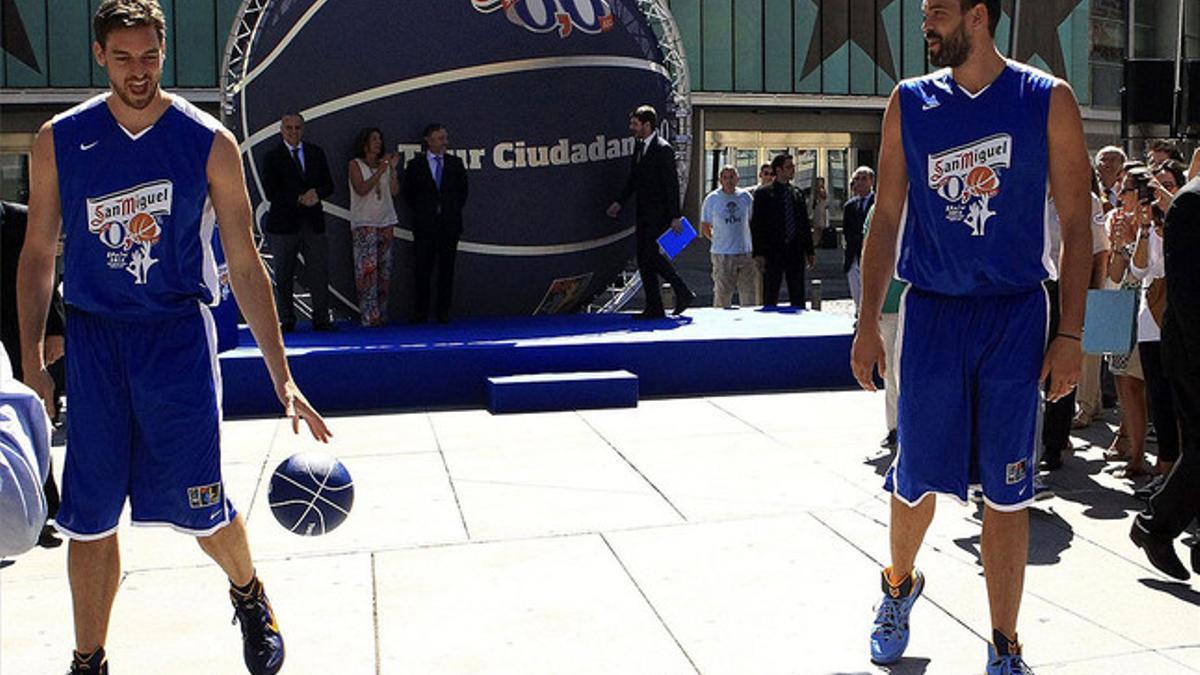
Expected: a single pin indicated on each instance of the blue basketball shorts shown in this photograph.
(970, 404)
(144, 423)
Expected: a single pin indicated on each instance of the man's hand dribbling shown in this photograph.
(1063, 363)
(297, 407)
(867, 355)
(614, 209)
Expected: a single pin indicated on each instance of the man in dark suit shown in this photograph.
(782, 234)
(854, 214)
(296, 178)
(435, 186)
(13, 222)
(1177, 503)
(655, 181)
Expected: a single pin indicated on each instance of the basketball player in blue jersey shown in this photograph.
(137, 177)
(970, 155)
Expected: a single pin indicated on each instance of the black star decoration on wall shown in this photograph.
(1037, 31)
(843, 21)
(14, 39)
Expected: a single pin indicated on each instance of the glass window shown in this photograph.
(838, 184)
(1106, 56)
(713, 161)
(806, 171)
(747, 166)
(14, 177)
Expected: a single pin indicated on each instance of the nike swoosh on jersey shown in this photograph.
(88, 146)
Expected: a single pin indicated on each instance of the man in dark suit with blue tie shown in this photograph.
(655, 181)
(781, 234)
(435, 186)
(296, 179)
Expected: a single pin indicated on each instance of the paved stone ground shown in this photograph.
(737, 535)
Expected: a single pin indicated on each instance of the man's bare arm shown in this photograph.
(878, 260)
(251, 286)
(1070, 187)
(35, 271)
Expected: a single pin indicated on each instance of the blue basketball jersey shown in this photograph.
(975, 219)
(136, 216)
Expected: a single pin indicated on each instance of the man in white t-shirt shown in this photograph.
(725, 221)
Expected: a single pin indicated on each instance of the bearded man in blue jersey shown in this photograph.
(971, 153)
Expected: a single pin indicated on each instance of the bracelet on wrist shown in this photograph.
(1070, 336)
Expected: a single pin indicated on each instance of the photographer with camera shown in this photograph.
(1134, 208)
(1147, 264)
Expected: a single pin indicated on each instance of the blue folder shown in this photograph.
(672, 243)
(1110, 324)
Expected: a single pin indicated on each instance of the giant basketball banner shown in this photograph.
(535, 94)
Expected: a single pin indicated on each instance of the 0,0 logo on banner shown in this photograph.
(544, 16)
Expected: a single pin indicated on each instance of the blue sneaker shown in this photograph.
(889, 637)
(1004, 657)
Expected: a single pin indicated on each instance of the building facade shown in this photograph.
(810, 77)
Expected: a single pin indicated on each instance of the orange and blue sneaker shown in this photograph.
(1004, 656)
(91, 664)
(262, 644)
(889, 637)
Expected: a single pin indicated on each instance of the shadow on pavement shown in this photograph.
(1178, 589)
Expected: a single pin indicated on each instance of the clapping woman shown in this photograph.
(374, 182)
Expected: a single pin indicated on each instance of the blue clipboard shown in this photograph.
(1110, 321)
(672, 243)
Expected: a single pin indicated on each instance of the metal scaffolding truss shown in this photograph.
(237, 51)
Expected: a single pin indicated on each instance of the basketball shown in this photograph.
(983, 181)
(311, 493)
(144, 228)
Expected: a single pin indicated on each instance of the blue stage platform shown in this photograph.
(708, 351)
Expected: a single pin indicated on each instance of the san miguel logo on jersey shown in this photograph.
(968, 177)
(546, 16)
(128, 224)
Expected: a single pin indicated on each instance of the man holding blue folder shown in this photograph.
(655, 181)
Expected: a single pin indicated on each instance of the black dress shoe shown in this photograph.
(889, 441)
(1159, 550)
(646, 316)
(682, 302)
(287, 326)
(1051, 461)
(1147, 491)
(49, 537)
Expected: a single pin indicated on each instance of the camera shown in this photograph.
(1141, 178)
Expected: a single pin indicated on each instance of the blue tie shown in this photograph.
(789, 215)
(437, 170)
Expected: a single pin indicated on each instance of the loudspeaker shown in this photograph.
(1190, 111)
(1148, 91)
